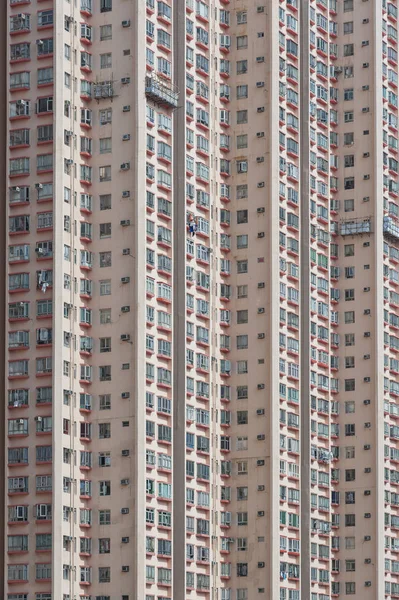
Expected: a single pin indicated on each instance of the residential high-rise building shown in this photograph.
(200, 289)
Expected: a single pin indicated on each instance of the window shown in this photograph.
(44, 47)
(349, 205)
(105, 145)
(105, 32)
(105, 202)
(242, 42)
(242, 266)
(105, 259)
(105, 5)
(105, 402)
(105, 116)
(242, 117)
(350, 588)
(105, 173)
(106, 60)
(105, 373)
(104, 431)
(348, 27)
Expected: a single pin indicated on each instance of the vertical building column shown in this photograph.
(273, 304)
(378, 376)
(305, 520)
(179, 303)
(139, 282)
(3, 234)
(57, 298)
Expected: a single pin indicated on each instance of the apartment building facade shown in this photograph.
(201, 240)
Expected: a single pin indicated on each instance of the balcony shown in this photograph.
(391, 229)
(161, 92)
(355, 227)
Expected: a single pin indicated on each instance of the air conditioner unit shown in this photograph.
(367, 425)
(126, 108)
(125, 222)
(39, 250)
(126, 137)
(366, 177)
(260, 9)
(261, 184)
(261, 285)
(365, 43)
(260, 109)
(260, 437)
(21, 16)
(125, 279)
(39, 419)
(125, 337)
(365, 88)
(365, 21)
(126, 251)
(20, 421)
(39, 42)
(260, 411)
(367, 538)
(20, 102)
(69, 161)
(68, 392)
(260, 159)
(260, 84)
(261, 311)
(125, 395)
(260, 462)
(126, 23)
(367, 379)
(125, 569)
(367, 470)
(125, 481)
(260, 210)
(367, 492)
(367, 583)
(261, 488)
(260, 59)
(366, 402)
(261, 336)
(124, 511)
(367, 334)
(125, 309)
(366, 311)
(366, 356)
(125, 80)
(125, 452)
(365, 65)
(68, 133)
(365, 109)
(366, 154)
(126, 194)
(125, 166)
(367, 561)
(366, 289)
(261, 234)
(261, 565)
(125, 540)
